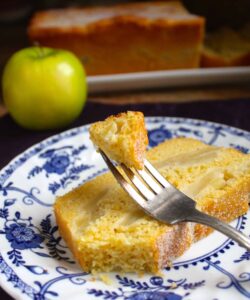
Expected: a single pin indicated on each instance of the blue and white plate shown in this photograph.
(35, 262)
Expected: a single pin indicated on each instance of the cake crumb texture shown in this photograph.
(122, 137)
(107, 231)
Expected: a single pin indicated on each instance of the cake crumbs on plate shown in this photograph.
(173, 285)
(93, 279)
(105, 278)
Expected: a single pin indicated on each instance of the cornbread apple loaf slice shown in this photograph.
(107, 231)
(129, 37)
(227, 47)
(122, 137)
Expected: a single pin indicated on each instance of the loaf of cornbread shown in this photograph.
(122, 137)
(124, 38)
(227, 47)
(106, 230)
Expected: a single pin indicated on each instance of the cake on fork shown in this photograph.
(122, 137)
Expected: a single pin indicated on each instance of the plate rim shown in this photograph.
(86, 126)
(15, 293)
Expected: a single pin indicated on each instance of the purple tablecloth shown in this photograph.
(14, 140)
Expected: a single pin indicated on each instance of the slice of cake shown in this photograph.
(122, 137)
(129, 37)
(106, 230)
(227, 47)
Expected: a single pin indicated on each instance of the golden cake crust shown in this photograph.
(171, 13)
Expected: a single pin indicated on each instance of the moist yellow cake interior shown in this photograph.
(122, 137)
(107, 231)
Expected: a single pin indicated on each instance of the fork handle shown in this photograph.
(202, 218)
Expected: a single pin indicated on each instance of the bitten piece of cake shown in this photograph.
(122, 137)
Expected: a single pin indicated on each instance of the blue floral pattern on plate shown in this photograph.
(35, 262)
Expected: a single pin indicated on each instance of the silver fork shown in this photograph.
(158, 198)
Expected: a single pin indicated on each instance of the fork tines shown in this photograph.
(140, 184)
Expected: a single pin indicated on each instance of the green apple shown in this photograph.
(44, 88)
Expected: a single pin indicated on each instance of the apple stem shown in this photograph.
(41, 51)
(40, 48)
